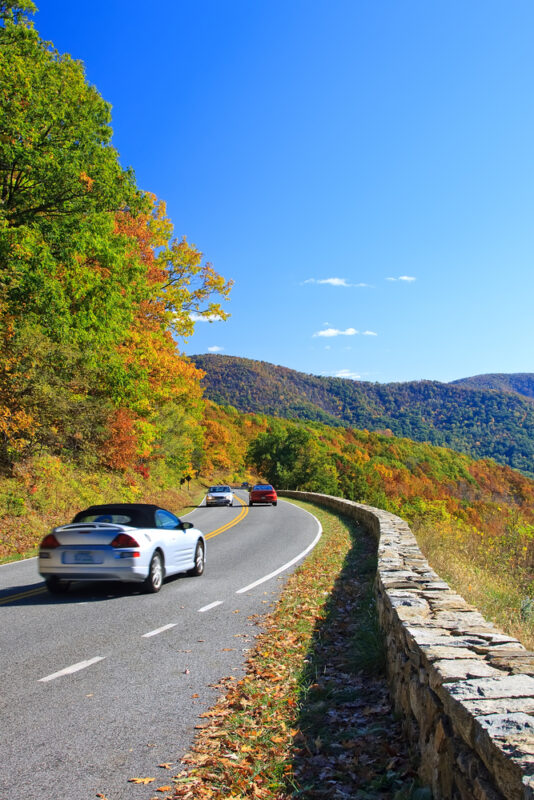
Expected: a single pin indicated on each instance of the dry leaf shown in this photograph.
(141, 780)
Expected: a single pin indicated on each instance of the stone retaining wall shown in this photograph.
(465, 689)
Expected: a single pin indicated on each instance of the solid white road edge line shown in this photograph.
(289, 563)
(18, 561)
(159, 630)
(211, 605)
(73, 668)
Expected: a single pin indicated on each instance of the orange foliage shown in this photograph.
(120, 450)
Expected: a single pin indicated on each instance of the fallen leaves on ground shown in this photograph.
(312, 716)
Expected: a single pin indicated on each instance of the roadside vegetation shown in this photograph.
(312, 717)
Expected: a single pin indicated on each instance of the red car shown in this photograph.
(262, 493)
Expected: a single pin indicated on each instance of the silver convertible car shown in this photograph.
(121, 542)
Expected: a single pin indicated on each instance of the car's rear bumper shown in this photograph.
(78, 573)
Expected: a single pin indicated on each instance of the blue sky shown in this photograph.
(362, 169)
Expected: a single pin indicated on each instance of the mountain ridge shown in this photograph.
(521, 383)
(466, 415)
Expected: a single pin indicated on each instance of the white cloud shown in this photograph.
(343, 373)
(346, 373)
(336, 282)
(215, 349)
(369, 333)
(405, 278)
(200, 318)
(335, 332)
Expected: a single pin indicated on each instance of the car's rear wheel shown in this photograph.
(154, 579)
(55, 585)
(200, 560)
(250, 503)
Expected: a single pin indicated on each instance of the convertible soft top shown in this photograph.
(140, 515)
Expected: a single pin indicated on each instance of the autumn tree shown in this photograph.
(94, 287)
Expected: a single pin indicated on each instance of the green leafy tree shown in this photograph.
(55, 153)
(292, 458)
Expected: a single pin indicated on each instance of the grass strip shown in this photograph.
(312, 716)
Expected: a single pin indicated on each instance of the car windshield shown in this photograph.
(214, 489)
(263, 487)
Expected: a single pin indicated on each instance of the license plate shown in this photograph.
(83, 557)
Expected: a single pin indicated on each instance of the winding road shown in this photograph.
(105, 683)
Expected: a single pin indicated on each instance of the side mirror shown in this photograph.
(184, 526)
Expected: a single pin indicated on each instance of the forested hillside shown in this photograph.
(480, 422)
(521, 383)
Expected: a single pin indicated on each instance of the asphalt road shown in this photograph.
(105, 683)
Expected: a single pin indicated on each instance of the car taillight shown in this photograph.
(49, 542)
(124, 540)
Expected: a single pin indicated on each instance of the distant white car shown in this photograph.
(133, 542)
(220, 496)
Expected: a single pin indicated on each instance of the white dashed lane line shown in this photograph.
(211, 605)
(159, 630)
(73, 668)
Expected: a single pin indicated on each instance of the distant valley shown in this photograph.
(485, 416)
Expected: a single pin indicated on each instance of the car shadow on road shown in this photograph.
(350, 742)
(36, 594)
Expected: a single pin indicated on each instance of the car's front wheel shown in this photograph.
(55, 585)
(154, 578)
(200, 560)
